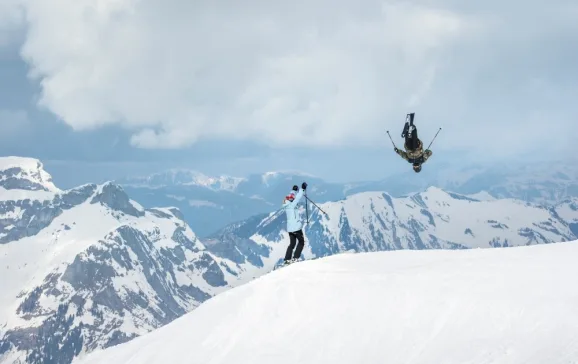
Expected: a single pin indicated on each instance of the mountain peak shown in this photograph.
(21, 173)
(184, 177)
(114, 196)
(267, 177)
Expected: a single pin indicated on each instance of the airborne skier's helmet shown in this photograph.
(417, 167)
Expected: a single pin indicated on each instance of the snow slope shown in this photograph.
(490, 306)
(89, 268)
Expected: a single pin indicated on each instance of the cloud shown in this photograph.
(11, 20)
(315, 73)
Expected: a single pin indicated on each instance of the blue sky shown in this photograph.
(136, 87)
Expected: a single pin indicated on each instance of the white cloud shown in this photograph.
(11, 18)
(314, 73)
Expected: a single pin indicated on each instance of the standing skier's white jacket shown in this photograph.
(293, 218)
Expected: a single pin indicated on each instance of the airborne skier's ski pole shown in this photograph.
(314, 204)
(391, 140)
(434, 138)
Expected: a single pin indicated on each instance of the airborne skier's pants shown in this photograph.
(293, 237)
(411, 140)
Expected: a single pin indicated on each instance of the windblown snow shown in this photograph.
(503, 305)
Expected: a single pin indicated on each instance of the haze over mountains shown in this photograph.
(210, 202)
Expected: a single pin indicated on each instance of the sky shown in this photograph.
(99, 89)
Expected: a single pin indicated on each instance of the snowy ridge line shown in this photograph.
(439, 306)
(376, 221)
(258, 192)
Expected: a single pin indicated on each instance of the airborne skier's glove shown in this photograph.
(396, 150)
(304, 185)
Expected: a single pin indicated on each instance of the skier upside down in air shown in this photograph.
(414, 153)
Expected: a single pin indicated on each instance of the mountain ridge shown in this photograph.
(407, 306)
(375, 221)
(89, 268)
(206, 207)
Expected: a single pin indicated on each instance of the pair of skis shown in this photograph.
(410, 116)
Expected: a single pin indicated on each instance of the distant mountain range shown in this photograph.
(89, 268)
(209, 203)
(376, 221)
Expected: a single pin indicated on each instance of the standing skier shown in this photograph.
(414, 153)
(294, 224)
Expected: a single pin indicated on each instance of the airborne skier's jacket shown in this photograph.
(293, 219)
(415, 156)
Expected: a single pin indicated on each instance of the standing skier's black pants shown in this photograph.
(411, 140)
(293, 237)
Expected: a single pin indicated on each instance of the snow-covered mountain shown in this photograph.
(538, 182)
(210, 203)
(514, 305)
(26, 174)
(375, 221)
(89, 268)
(183, 177)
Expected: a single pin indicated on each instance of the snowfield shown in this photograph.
(502, 305)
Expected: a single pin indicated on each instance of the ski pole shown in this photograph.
(314, 204)
(391, 140)
(434, 138)
(306, 208)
